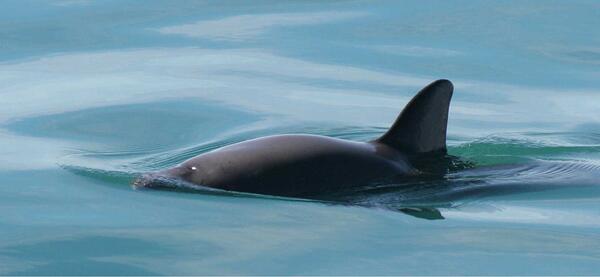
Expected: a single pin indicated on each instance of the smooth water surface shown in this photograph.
(94, 92)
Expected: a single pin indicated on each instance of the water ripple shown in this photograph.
(493, 166)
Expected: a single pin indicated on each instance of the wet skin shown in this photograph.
(292, 165)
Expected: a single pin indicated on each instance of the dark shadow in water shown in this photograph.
(79, 256)
(137, 126)
(462, 186)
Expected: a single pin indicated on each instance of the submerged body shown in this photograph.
(303, 165)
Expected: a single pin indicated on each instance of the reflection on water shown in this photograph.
(94, 93)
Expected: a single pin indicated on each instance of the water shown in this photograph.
(95, 92)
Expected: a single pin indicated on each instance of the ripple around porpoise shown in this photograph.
(493, 166)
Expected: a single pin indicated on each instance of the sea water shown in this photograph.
(93, 93)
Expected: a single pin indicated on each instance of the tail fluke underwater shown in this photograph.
(421, 126)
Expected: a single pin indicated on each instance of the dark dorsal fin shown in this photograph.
(421, 126)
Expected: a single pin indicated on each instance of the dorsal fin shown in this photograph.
(421, 126)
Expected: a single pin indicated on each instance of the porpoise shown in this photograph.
(301, 165)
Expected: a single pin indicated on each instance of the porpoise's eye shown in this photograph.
(193, 168)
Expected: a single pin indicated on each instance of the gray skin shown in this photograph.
(293, 165)
(303, 165)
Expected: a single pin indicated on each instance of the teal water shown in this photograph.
(94, 92)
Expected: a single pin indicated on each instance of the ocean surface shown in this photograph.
(94, 93)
